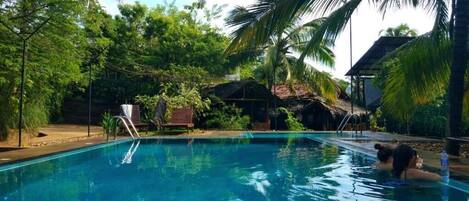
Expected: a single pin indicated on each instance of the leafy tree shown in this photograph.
(399, 31)
(278, 47)
(340, 13)
(154, 46)
(199, 11)
(55, 54)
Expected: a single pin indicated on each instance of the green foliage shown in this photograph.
(278, 64)
(427, 119)
(400, 31)
(53, 58)
(109, 124)
(149, 47)
(417, 74)
(292, 122)
(374, 118)
(129, 54)
(175, 96)
(227, 117)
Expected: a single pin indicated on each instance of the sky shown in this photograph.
(367, 24)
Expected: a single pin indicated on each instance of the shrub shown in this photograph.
(291, 121)
(223, 116)
(374, 118)
(176, 96)
(109, 124)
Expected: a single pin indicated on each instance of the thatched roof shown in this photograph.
(284, 91)
(300, 97)
(242, 90)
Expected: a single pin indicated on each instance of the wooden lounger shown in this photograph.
(180, 118)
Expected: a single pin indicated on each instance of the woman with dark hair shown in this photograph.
(405, 165)
(385, 158)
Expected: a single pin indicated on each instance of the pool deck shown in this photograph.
(14, 156)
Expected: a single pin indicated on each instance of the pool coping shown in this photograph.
(55, 155)
(26, 154)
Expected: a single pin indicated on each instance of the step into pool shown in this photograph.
(282, 167)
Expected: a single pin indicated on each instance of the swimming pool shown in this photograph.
(252, 167)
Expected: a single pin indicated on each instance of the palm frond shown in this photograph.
(385, 5)
(252, 26)
(323, 84)
(440, 9)
(332, 26)
(320, 82)
(417, 74)
(256, 23)
(299, 37)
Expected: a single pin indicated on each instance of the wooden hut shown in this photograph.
(254, 98)
(368, 66)
(311, 109)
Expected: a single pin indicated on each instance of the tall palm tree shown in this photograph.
(399, 31)
(458, 70)
(280, 49)
(340, 12)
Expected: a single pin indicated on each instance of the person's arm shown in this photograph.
(423, 175)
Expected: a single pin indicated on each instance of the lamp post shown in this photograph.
(89, 101)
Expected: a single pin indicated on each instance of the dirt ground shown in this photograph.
(438, 147)
(52, 134)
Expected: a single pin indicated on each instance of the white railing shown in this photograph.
(131, 130)
(130, 153)
(345, 120)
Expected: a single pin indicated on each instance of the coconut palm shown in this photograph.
(339, 13)
(280, 49)
(400, 31)
(458, 92)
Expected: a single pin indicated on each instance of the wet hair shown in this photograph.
(384, 152)
(402, 155)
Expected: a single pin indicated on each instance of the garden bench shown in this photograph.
(180, 118)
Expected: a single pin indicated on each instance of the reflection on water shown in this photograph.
(133, 148)
(213, 169)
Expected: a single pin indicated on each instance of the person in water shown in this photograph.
(385, 158)
(405, 165)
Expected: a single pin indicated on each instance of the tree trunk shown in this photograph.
(458, 69)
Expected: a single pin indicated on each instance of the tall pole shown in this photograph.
(275, 101)
(351, 64)
(89, 101)
(20, 106)
(24, 36)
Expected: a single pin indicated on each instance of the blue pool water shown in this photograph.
(259, 168)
